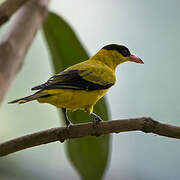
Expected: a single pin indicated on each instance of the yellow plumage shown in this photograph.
(73, 99)
(82, 85)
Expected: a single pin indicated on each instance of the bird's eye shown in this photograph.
(125, 52)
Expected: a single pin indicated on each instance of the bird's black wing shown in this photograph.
(72, 79)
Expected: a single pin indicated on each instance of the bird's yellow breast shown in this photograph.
(73, 99)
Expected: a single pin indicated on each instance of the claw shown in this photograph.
(96, 120)
(68, 124)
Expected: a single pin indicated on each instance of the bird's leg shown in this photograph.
(96, 120)
(68, 122)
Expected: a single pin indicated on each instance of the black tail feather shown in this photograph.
(30, 98)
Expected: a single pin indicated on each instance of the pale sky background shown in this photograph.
(151, 30)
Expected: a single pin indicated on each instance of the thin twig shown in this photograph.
(16, 41)
(61, 134)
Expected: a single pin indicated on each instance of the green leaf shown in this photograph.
(89, 155)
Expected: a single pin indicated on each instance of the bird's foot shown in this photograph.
(68, 124)
(96, 120)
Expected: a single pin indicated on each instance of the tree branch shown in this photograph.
(17, 40)
(8, 8)
(61, 134)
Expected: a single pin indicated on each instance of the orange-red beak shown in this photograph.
(135, 58)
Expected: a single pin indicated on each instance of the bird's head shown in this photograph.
(121, 54)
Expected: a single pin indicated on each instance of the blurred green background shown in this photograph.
(151, 30)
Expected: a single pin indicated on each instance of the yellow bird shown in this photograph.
(80, 86)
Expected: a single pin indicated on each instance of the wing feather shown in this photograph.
(73, 79)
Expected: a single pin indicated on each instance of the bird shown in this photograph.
(80, 86)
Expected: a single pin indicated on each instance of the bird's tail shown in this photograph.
(35, 96)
